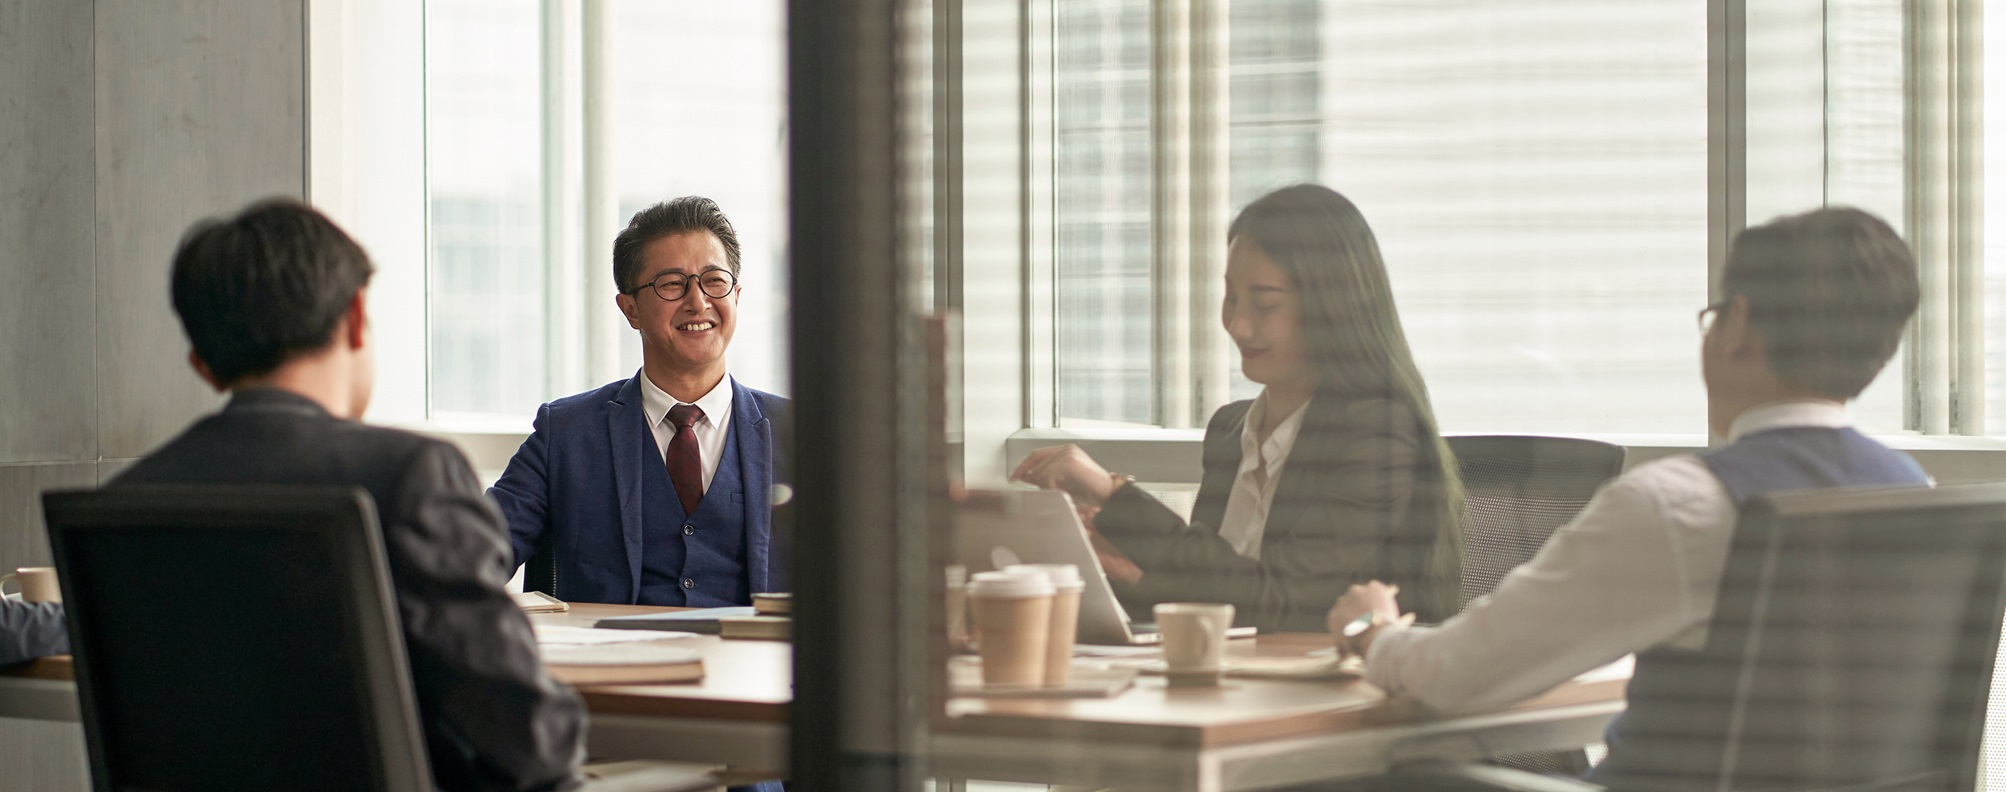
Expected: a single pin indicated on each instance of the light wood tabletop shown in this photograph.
(1242, 734)
(743, 680)
(1236, 711)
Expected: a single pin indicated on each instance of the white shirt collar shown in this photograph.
(1788, 414)
(716, 404)
(1279, 442)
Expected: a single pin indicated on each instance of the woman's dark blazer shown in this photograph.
(1359, 499)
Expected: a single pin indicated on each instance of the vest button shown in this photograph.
(689, 530)
(689, 584)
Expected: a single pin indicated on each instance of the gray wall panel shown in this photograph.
(40, 756)
(24, 538)
(47, 298)
(109, 469)
(201, 107)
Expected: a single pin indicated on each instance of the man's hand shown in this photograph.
(1375, 599)
(1068, 469)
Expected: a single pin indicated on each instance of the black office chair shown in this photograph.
(183, 688)
(1516, 491)
(241, 637)
(1852, 648)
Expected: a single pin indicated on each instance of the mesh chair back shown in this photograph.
(1863, 625)
(1516, 491)
(235, 638)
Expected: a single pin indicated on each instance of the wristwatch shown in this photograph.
(1347, 637)
(1118, 480)
(1357, 628)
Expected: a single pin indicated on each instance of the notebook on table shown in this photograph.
(701, 620)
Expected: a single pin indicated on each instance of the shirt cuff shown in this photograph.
(1382, 657)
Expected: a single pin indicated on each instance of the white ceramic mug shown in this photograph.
(1194, 640)
(38, 584)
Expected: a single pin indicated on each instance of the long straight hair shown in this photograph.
(1352, 334)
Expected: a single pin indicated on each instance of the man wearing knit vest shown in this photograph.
(1812, 308)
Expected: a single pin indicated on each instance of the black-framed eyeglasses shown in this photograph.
(716, 284)
(1708, 314)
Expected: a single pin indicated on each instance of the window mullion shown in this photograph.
(563, 176)
(605, 328)
(1946, 365)
(1171, 195)
(1038, 177)
(1210, 174)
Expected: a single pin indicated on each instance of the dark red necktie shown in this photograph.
(685, 464)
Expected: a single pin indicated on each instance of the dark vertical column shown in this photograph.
(859, 383)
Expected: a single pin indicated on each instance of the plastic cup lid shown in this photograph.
(1064, 576)
(1010, 584)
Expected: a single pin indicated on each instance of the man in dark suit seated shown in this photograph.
(31, 629)
(656, 490)
(273, 302)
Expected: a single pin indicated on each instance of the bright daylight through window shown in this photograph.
(511, 304)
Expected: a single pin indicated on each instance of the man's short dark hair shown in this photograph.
(257, 289)
(1831, 291)
(669, 218)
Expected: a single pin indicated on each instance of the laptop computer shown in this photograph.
(997, 528)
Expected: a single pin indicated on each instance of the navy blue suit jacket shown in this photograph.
(578, 479)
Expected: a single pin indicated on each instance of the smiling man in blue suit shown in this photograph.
(656, 490)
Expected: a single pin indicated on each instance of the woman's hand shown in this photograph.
(1376, 600)
(1070, 470)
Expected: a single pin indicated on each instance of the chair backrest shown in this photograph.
(238, 637)
(1864, 626)
(1516, 491)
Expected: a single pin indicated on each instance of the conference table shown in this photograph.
(1243, 734)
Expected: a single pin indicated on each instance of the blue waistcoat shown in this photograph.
(1668, 738)
(697, 559)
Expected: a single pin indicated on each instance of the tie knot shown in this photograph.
(685, 415)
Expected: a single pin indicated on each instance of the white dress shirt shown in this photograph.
(1637, 569)
(1246, 517)
(710, 430)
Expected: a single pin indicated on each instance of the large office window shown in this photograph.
(1101, 205)
(700, 108)
(1536, 173)
(484, 166)
(683, 98)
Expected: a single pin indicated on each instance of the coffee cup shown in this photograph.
(957, 607)
(38, 584)
(1194, 641)
(1013, 613)
(1065, 621)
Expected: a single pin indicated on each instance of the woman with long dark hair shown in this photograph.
(1334, 475)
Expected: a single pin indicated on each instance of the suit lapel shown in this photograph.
(1221, 466)
(627, 430)
(754, 435)
(1306, 473)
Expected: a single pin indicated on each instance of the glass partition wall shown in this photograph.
(1008, 229)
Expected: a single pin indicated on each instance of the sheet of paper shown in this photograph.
(1095, 650)
(565, 635)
